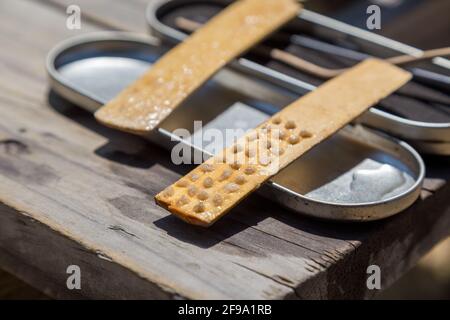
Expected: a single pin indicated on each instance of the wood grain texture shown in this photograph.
(74, 192)
(11, 288)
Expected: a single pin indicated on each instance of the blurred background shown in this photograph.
(421, 23)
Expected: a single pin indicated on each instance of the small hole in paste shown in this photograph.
(277, 150)
(199, 207)
(208, 182)
(231, 187)
(182, 184)
(226, 174)
(290, 125)
(182, 201)
(206, 167)
(249, 171)
(305, 134)
(241, 179)
(294, 139)
(235, 166)
(169, 192)
(194, 177)
(264, 160)
(192, 191)
(203, 195)
(217, 200)
(277, 120)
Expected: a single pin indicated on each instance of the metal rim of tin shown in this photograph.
(364, 211)
(69, 91)
(368, 211)
(427, 134)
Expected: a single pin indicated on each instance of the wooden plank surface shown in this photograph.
(12, 288)
(74, 192)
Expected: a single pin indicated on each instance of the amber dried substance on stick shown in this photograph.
(149, 100)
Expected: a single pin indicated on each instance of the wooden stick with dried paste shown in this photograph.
(148, 101)
(216, 186)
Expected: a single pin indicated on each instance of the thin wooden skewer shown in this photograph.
(304, 65)
(314, 69)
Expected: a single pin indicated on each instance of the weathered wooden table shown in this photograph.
(75, 193)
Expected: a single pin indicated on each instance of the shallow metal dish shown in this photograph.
(91, 69)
